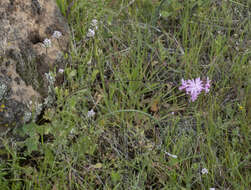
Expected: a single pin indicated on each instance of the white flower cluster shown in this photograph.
(90, 33)
(56, 34)
(94, 24)
(94, 27)
(47, 42)
(91, 113)
(61, 70)
(204, 171)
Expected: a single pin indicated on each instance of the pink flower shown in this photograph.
(184, 84)
(194, 87)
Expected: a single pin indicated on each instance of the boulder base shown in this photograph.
(26, 84)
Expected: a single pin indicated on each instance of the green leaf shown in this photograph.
(97, 166)
(29, 129)
(32, 143)
(165, 14)
(72, 73)
(115, 176)
(94, 74)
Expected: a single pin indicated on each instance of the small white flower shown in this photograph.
(90, 33)
(47, 43)
(172, 112)
(72, 131)
(211, 188)
(57, 34)
(94, 23)
(204, 171)
(90, 113)
(171, 155)
(60, 70)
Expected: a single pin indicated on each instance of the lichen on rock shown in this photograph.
(3, 89)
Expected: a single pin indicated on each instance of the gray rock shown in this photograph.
(25, 61)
